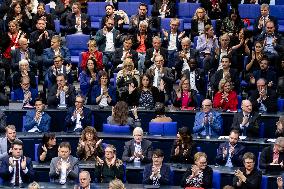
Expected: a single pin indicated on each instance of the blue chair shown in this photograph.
(149, 9)
(261, 130)
(239, 102)
(165, 24)
(116, 129)
(76, 43)
(130, 8)
(24, 120)
(79, 63)
(216, 179)
(264, 182)
(57, 25)
(96, 10)
(279, 2)
(170, 128)
(280, 104)
(199, 149)
(249, 11)
(258, 160)
(195, 42)
(277, 11)
(156, 128)
(36, 158)
(47, 9)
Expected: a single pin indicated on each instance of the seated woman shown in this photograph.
(226, 98)
(157, 173)
(127, 80)
(109, 168)
(161, 114)
(120, 116)
(198, 175)
(198, 22)
(103, 94)
(88, 77)
(116, 184)
(24, 70)
(147, 95)
(255, 58)
(48, 149)
(185, 97)
(183, 148)
(232, 24)
(248, 176)
(89, 147)
(280, 127)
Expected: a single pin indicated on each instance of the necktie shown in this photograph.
(17, 174)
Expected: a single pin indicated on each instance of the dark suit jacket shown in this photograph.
(44, 43)
(258, 31)
(44, 124)
(270, 102)
(116, 19)
(194, 27)
(149, 54)
(118, 54)
(187, 158)
(279, 44)
(252, 129)
(268, 75)
(19, 94)
(253, 180)
(165, 41)
(3, 118)
(48, 55)
(96, 91)
(49, 21)
(71, 22)
(199, 80)
(50, 78)
(101, 39)
(16, 79)
(207, 179)
(237, 155)
(266, 157)
(7, 176)
(53, 101)
(129, 149)
(85, 121)
(16, 57)
(179, 62)
(216, 78)
(165, 174)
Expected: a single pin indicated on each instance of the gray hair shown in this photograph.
(279, 140)
(144, 22)
(138, 130)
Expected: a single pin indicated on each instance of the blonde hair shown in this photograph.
(182, 80)
(222, 84)
(116, 184)
(34, 185)
(198, 155)
(195, 17)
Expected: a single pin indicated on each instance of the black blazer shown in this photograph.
(199, 80)
(44, 43)
(268, 75)
(194, 27)
(266, 157)
(49, 21)
(129, 149)
(179, 61)
(252, 129)
(181, 158)
(270, 102)
(216, 78)
(258, 31)
(253, 179)
(118, 54)
(16, 58)
(71, 22)
(53, 101)
(149, 54)
(86, 121)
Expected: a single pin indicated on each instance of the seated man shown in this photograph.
(207, 122)
(264, 99)
(6, 142)
(84, 180)
(17, 169)
(246, 121)
(64, 168)
(25, 93)
(57, 68)
(62, 93)
(230, 153)
(78, 117)
(272, 157)
(137, 149)
(37, 120)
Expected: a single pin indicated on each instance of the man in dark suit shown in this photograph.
(125, 52)
(6, 142)
(155, 51)
(62, 93)
(263, 98)
(78, 117)
(23, 52)
(137, 149)
(78, 22)
(260, 22)
(272, 157)
(246, 121)
(37, 120)
(41, 14)
(84, 180)
(17, 169)
(230, 154)
(135, 20)
(118, 20)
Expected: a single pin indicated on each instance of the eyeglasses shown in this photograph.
(78, 101)
(249, 162)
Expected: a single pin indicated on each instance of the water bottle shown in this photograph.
(137, 162)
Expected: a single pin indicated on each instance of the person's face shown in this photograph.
(264, 11)
(225, 42)
(60, 81)
(52, 142)
(109, 10)
(282, 64)
(24, 44)
(41, 25)
(89, 136)
(127, 44)
(142, 11)
(225, 63)
(90, 65)
(104, 80)
(92, 47)
(185, 45)
(142, 28)
(64, 152)
(75, 9)
(247, 107)
(241, 34)
(270, 28)
(178, 136)
(109, 24)
(17, 9)
(192, 64)
(58, 62)
(206, 106)
(145, 81)
(109, 153)
(55, 44)
(66, 2)
(11, 134)
(174, 26)
(185, 85)
(25, 84)
(233, 138)
(249, 164)
(280, 146)
(201, 163)
(159, 61)
(128, 66)
(210, 32)
(84, 180)
(156, 44)
(261, 85)
(227, 87)
(263, 65)
(233, 17)
(40, 10)
(200, 14)
(17, 151)
(137, 136)
(258, 47)
(279, 126)
(24, 66)
(39, 106)
(12, 28)
(79, 102)
(157, 160)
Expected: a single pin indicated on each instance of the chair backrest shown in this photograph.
(116, 129)
(199, 149)
(277, 11)
(280, 104)
(216, 179)
(156, 128)
(96, 9)
(258, 160)
(249, 10)
(57, 25)
(264, 182)
(77, 43)
(239, 102)
(47, 9)
(36, 157)
(261, 130)
(24, 120)
(170, 128)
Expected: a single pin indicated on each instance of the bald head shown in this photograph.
(261, 85)
(246, 106)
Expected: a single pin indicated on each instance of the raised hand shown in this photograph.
(24, 163)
